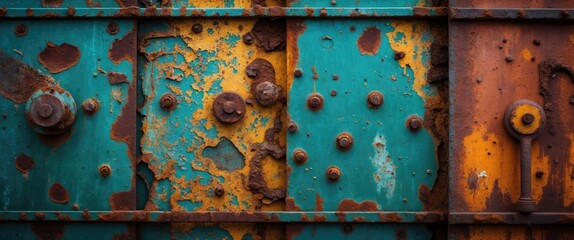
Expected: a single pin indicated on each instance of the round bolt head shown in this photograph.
(197, 28)
(414, 123)
(90, 106)
(300, 156)
(248, 38)
(51, 110)
(105, 170)
(266, 93)
(399, 55)
(219, 191)
(45, 110)
(21, 30)
(298, 73)
(168, 101)
(333, 174)
(344, 141)
(375, 99)
(292, 127)
(113, 28)
(527, 119)
(229, 107)
(539, 174)
(315, 102)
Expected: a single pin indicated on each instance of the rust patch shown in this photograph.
(256, 183)
(18, 81)
(123, 49)
(295, 229)
(52, 3)
(262, 3)
(71, 11)
(48, 230)
(56, 140)
(63, 217)
(24, 163)
(29, 12)
(130, 233)
(350, 205)
(21, 30)
(497, 200)
(318, 202)
(117, 78)
(183, 11)
(291, 205)
(58, 193)
(390, 217)
(472, 180)
(59, 58)
(3, 12)
(86, 215)
(128, 12)
(370, 41)
(260, 70)
(439, 63)
(270, 34)
(40, 215)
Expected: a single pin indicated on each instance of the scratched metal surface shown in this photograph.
(389, 167)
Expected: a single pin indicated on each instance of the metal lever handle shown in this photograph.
(523, 120)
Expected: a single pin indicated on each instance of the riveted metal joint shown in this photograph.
(333, 173)
(229, 107)
(315, 102)
(197, 28)
(248, 38)
(414, 123)
(168, 102)
(300, 156)
(344, 142)
(105, 170)
(375, 99)
(90, 106)
(292, 127)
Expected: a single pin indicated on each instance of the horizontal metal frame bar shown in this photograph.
(268, 217)
(511, 13)
(510, 218)
(224, 12)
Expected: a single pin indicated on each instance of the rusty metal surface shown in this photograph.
(495, 232)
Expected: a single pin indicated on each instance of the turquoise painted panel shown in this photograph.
(359, 231)
(66, 3)
(68, 163)
(359, 3)
(66, 231)
(388, 164)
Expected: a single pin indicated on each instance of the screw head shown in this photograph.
(344, 141)
(315, 102)
(399, 55)
(197, 28)
(113, 28)
(45, 110)
(509, 58)
(527, 119)
(292, 127)
(21, 30)
(300, 156)
(536, 42)
(105, 170)
(90, 106)
(266, 93)
(298, 73)
(539, 174)
(375, 99)
(414, 123)
(219, 191)
(168, 101)
(229, 107)
(333, 173)
(248, 38)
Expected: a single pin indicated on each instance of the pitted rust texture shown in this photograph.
(439, 63)
(350, 205)
(117, 78)
(124, 48)
(229, 107)
(58, 193)
(270, 34)
(24, 163)
(269, 147)
(558, 112)
(52, 3)
(18, 81)
(370, 41)
(263, 87)
(261, 3)
(58, 58)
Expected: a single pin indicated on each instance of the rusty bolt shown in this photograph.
(414, 123)
(229, 107)
(298, 73)
(509, 58)
(292, 127)
(168, 101)
(335, 77)
(315, 102)
(105, 170)
(300, 156)
(539, 174)
(219, 191)
(375, 99)
(90, 106)
(536, 42)
(197, 28)
(344, 141)
(266, 93)
(248, 38)
(399, 55)
(333, 173)
(113, 28)
(527, 119)
(21, 30)
(45, 110)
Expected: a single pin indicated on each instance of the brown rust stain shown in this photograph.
(123, 48)
(291, 205)
(350, 205)
(260, 70)
(294, 29)
(24, 163)
(58, 193)
(58, 58)
(390, 217)
(40, 215)
(130, 233)
(270, 34)
(128, 3)
(62, 217)
(58, 139)
(71, 11)
(117, 78)
(3, 12)
(318, 202)
(370, 41)
(48, 230)
(18, 81)
(439, 63)
(52, 3)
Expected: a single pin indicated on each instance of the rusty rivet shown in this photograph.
(292, 127)
(527, 119)
(219, 191)
(300, 156)
(298, 73)
(315, 102)
(333, 93)
(90, 106)
(333, 2)
(197, 28)
(414, 123)
(45, 110)
(113, 28)
(21, 30)
(539, 174)
(248, 38)
(335, 77)
(333, 173)
(536, 42)
(105, 170)
(344, 141)
(375, 99)
(266, 93)
(229, 107)
(399, 55)
(509, 58)
(168, 101)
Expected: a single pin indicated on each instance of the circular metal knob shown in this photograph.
(229, 107)
(51, 110)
